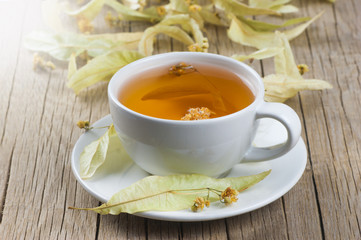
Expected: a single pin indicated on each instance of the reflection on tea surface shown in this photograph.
(173, 92)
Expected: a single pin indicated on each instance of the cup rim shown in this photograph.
(259, 93)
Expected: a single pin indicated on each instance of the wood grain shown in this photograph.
(37, 132)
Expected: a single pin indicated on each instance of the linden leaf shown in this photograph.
(134, 4)
(117, 37)
(267, 3)
(187, 23)
(89, 11)
(240, 9)
(101, 68)
(72, 67)
(146, 43)
(210, 16)
(285, 9)
(278, 5)
(171, 193)
(287, 81)
(260, 54)
(264, 26)
(94, 155)
(244, 34)
(130, 14)
(284, 62)
(61, 46)
(279, 87)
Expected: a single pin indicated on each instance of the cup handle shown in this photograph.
(289, 118)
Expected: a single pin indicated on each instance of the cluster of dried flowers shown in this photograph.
(183, 20)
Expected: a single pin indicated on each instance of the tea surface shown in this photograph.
(169, 94)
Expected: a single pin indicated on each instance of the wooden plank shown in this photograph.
(9, 48)
(330, 128)
(41, 185)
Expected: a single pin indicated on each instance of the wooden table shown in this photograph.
(37, 133)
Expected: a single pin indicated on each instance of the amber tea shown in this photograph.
(186, 92)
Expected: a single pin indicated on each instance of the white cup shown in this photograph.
(210, 147)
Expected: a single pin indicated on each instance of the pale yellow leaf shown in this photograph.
(95, 154)
(265, 26)
(240, 9)
(285, 9)
(89, 11)
(279, 87)
(72, 67)
(284, 62)
(210, 16)
(187, 23)
(171, 193)
(146, 43)
(101, 68)
(242, 33)
(260, 54)
(132, 15)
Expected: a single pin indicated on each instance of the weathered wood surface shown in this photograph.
(37, 133)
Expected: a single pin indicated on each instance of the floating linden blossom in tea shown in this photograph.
(198, 114)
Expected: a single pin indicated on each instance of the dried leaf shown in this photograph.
(171, 193)
(285, 9)
(101, 68)
(94, 155)
(264, 26)
(117, 37)
(240, 9)
(210, 16)
(146, 43)
(177, 6)
(267, 3)
(133, 15)
(187, 23)
(89, 11)
(280, 87)
(284, 62)
(61, 46)
(260, 54)
(72, 67)
(242, 33)
(134, 4)
(278, 5)
(287, 81)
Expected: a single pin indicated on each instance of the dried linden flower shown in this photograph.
(85, 26)
(199, 48)
(229, 196)
(181, 68)
(38, 61)
(161, 10)
(302, 68)
(111, 20)
(199, 204)
(195, 8)
(83, 124)
(197, 114)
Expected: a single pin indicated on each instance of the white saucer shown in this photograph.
(120, 172)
